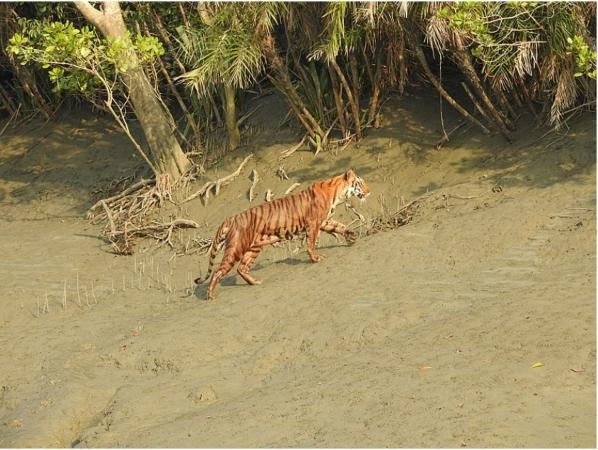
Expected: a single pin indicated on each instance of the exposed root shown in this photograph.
(126, 212)
(496, 188)
(291, 188)
(122, 240)
(111, 200)
(254, 180)
(214, 186)
(357, 213)
(407, 212)
(396, 219)
(290, 151)
(282, 173)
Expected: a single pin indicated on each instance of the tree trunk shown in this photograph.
(164, 150)
(422, 60)
(356, 92)
(230, 115)
(469, 70)
(375, 90)
(526, 97)
(402, 63)
(6, 101)
(177, 95)
(352, 103)
(475, 102)
(284, 81)
(338, 101)
(505, 104)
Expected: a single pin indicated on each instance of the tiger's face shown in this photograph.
(357, 186)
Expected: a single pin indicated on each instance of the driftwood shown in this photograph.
(291, 188)
(216, 185)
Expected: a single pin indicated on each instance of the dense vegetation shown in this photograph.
(196, 64)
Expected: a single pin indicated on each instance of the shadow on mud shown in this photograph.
(68, 157)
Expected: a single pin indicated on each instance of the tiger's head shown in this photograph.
(356, 186)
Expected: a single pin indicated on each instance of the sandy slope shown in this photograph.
(423, 336)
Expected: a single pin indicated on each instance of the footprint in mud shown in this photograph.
(157, 365)
(206, 395)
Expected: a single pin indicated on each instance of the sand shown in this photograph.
(473, 325)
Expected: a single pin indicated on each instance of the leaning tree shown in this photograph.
(165, 152)
(110, 72)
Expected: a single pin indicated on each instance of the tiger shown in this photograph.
(245, 234)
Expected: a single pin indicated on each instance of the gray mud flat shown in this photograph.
(474, 325)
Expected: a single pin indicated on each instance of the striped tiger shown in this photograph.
(243, 235)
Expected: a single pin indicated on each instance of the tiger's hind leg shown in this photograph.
(228, 261)
(246, 262)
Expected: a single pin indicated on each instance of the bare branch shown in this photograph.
(90, 13)
(215, 185)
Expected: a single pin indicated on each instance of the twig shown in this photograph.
(109, 216)
(183, 223)
(10, 120)
(254, 180)
(496, 188)
(445, 138)
(216, 185)
(247, 116)
(78, 293)
(124, 193)
(290, 151)
(291, 188)
(282, 173)
(361, 217)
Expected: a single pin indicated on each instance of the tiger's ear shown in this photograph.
(349, 174)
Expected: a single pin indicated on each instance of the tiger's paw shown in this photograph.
(350, 237)
(317, 258)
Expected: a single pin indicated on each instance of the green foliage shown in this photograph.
(227, 50)
(76, 59)
(469, 18)
(585, 57)
(333, 36)
(548, 42)
(546, 49)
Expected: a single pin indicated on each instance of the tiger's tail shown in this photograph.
(214, 249)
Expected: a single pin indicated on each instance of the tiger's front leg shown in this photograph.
(332, 226)
(313, 231)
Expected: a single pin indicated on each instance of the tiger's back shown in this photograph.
(244, 234)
